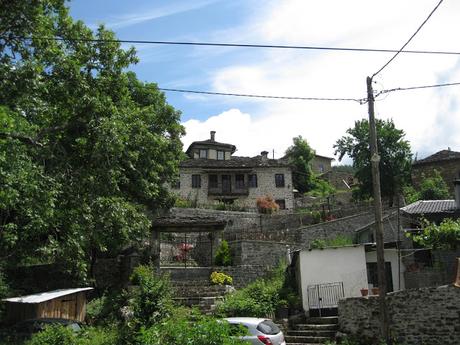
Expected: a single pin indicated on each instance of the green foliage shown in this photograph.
(434, 188)
(4, 292)
(86, 149)
(299, 155)
(443, 236)
(54, 335)
(345, 168)
(59, 335)
(219, 278)
(338, 241)
(266, 204)
(151, 301)
(199, 331)
(223, 255)
(183, 203)
(394, 151)
(431, 188)
(260, 298)
(321, 188)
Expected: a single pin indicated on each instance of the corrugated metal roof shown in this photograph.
(45, 296)
(430, 206)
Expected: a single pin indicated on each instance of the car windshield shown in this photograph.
(268, 327)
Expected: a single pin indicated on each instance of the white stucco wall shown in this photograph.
(391, 255)
(345, 264)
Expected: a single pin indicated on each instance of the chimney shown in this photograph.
(457, 193)
(213, 135)
(264, 155)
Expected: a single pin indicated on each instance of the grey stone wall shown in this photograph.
(259, 253)
(195, 276)
(442, 271)
(448, 169)
(417, 316)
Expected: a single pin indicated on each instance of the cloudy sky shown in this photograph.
(430, 118)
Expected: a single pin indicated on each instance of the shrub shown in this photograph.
(220, 278)
(267, 205)
(181, 330)
(223, 255)
(338, 241)
(260, 298)
(151, 301)
(54, 335)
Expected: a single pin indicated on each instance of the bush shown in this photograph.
(54, 335)
(260, 298)
(267, 205)
(181, 330)
(223, 256)
(151, 301)
(219, 278)
(338, 241)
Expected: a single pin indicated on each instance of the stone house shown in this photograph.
(427, 267)
(321, 164)
(211, 173)
(447, 162)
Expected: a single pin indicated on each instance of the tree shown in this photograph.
(444, 236)
(85, 147)
(394, 151)
(299, 155)
(431, 188)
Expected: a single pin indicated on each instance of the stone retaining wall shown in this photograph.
(417, 316)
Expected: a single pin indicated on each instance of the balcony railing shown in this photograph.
(241, 191)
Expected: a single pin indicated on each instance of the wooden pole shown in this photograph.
(375, 160)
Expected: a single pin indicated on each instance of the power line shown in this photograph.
(410, 39)
(416, 88)
(239, 45)
(359, 100)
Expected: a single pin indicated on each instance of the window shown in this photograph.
(203, 153)
(220, 155)
(213, 182)
(279, 180)
(321, 168)
(281, 203)
(252, 180)
(372, 275)
(196, 181)
(239, 181)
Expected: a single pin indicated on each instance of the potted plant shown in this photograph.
(364, 292)
(375, 291)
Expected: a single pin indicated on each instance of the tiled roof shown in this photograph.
(234, 163)
(210, 142)
(439, 156)
(430, 207)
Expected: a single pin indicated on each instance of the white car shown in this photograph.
(260, 331)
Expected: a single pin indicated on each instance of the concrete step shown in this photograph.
(312, 327)
(312, 333)
(305, 340)
(323, 320)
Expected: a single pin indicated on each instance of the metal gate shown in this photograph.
(324, 296)
(187, 249)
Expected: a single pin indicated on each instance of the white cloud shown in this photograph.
(429, 117)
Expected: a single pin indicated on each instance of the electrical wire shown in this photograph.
(416, 88)
(240, 45)
(410, 39)
(359, 100)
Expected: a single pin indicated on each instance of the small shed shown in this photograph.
(63, 303)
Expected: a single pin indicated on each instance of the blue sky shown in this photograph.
(174, 66)
(429, 117)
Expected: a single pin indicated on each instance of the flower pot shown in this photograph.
(364, 292)
(375, 291)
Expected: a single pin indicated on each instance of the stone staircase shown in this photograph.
(316, 330)
(199, 294)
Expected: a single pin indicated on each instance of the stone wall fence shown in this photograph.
(425, 316)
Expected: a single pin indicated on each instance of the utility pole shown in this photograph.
(375, 160)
